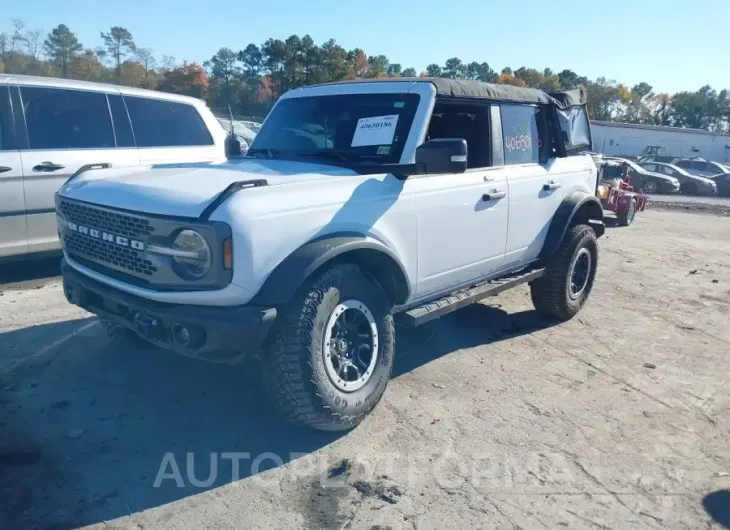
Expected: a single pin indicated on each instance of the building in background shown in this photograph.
(630, 140)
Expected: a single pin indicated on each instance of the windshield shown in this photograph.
(352, 128)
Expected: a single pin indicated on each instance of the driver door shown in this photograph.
(462, 218)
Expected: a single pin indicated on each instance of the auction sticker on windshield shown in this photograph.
(376, 130)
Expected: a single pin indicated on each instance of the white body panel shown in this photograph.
(13, 216)
(40, 186)
(460, 235)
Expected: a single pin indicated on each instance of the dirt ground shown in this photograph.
(495, 418)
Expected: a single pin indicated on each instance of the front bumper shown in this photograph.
(212, 333)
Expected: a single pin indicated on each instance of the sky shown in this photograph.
(673, 45)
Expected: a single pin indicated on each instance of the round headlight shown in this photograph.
(195, 258)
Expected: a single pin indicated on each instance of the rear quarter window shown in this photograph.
(524, 133)
(162, 123)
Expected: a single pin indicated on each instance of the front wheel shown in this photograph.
(331, 354)
(569, 275)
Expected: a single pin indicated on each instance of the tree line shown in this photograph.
(253, 76)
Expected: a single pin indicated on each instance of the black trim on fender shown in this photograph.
(568, 209)
(230, 190)
(283, 283)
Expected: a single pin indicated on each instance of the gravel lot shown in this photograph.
(496, 418)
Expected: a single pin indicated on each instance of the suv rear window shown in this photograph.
(162, 123)
(67, 119)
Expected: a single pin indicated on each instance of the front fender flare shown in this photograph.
(286, 279)
(578, 207)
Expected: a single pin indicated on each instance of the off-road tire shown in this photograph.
(121, 336)
(550, 292)
(294, 371)
(626, 217)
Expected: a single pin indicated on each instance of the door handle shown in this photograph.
(494, 195)
(552, 185)
(47, 166)
(5, 169)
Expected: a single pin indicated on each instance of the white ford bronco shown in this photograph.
(357, 203)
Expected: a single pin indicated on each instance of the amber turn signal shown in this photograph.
(227, 254)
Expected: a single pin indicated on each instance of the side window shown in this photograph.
(66, 119)
(524, 133)
(162, 123)
(699, 166)
(650, 167)
(122, 127)
(470, 122)
(684, 164)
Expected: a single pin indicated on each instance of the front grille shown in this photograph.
(102, 251)
(103, 255)
(117, 223)
(114, 243)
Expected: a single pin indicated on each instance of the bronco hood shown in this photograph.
(185, 190)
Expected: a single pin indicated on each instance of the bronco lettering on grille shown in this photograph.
(106, 236)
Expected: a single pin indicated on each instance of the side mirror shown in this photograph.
(443, 155)
(232, 146)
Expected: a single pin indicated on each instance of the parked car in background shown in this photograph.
(722, 181)
(688, 183)
(666, 159)
(648, 181)
(700, 166)
(51, 128)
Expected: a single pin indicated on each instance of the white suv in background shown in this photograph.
(51, 128)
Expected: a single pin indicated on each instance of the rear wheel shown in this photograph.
(331, 355)
(626, 217)
(651, 187)
(569, 275)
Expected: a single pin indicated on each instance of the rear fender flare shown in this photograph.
(579, 207)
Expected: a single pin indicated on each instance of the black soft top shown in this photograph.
(466, 88)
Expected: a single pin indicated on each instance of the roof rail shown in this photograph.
(226, 193)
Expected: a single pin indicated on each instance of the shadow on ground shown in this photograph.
(83, 433)
(32, 271)
(717, 506)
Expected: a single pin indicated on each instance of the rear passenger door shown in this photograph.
(63, 130)
(535, 181)
(12, 202)
(170, 132)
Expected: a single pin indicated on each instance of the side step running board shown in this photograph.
(422, 314)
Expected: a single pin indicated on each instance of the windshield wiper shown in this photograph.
(342, 156)
(270, 153)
